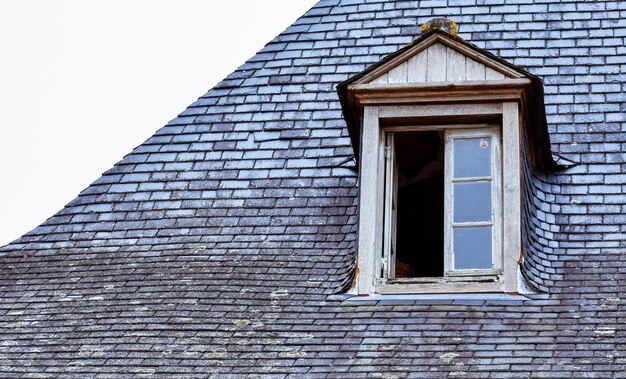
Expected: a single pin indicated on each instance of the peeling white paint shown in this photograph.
(448, 357)
(385, 376)
(146, 372)
(7, 343)
(279, 293)
(64, 297)
(292, 354)
(458, 373)
(271, 369)
(241, 322)
(220, 352)
(600, 332)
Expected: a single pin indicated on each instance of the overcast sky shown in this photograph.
(83, 82)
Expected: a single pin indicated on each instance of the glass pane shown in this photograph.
(472, 157)
(472, 201)
(472, 248)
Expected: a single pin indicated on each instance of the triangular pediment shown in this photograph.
(442, 68)
(439, 58)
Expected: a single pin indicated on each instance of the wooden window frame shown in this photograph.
(493, 132)
(371, 234)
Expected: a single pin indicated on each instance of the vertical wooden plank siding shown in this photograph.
(474, 70)
(436, 71)
(398, 74)
(455, 66)
(381, 79)
(512, 244)
(368, 200)
(438, 63)
(418, 67)
(491, 74)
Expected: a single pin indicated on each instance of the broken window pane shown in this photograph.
(472, 201)
(472, 248)
(472, 157)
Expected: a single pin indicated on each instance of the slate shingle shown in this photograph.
(216, 249)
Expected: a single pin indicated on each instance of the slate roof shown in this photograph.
(222, 246)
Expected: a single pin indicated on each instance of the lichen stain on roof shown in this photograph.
(255, 173)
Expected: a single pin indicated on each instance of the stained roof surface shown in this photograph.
(221, 247)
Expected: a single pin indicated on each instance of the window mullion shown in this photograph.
(448, 208)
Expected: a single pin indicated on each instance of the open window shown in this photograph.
(438, 129)
(442, 215)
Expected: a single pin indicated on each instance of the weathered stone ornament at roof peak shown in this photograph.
(440, 23)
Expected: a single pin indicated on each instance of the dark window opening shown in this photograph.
(420, 204)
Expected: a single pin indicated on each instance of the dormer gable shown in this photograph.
(439, 67)
(439, 59)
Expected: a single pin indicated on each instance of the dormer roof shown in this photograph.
(438, 64)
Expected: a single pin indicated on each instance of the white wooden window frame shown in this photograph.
(372, 243)
(494, 179)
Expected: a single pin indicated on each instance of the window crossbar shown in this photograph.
(471, 224)
(473, 179)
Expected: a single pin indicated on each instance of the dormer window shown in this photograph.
(440, 129)
(442, 203)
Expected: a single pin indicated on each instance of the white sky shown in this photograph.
(82, 82)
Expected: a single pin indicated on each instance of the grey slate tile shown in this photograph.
(203, 206)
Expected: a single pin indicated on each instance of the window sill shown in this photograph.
(436, 287)
(465, 278)
(449, 298)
